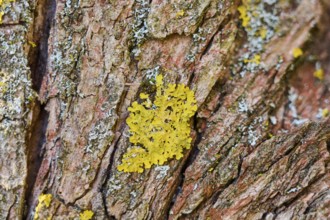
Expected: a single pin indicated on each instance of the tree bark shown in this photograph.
(260, 72)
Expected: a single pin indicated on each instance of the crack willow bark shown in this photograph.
(70, 69)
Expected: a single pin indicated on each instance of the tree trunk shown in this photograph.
(260, 73)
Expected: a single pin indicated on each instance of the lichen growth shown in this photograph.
(44, 201)
(297, 52)
(140, 27)
(152, 73)
(257, 19)
(159, 130)
(325, 113)
(3, 5)
(33, 44)
(199, 37)
(162, 171)
(243, 106)
(319, 74)
(86, 215)
(255, 59)
(179, 14)
(14, 81)
(322, 113)
(260, 21)
(242, 9)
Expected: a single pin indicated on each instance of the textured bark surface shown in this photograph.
(261, 136)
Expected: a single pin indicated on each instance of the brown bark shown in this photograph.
(261, 135)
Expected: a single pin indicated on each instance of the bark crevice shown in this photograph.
(190, 159)
(37, 60)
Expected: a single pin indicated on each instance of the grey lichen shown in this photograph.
(152, 73)
(198, 38)
(99, 136)
(243, 106)
(162, 171)
(260, 21)
(16, 101)
(140, 27)
(13, 12)
(14, 79)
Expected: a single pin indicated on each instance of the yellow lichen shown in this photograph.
(325, 112)
(242, 9)
(1, 14)
(256, 59)
(44, 200)
(319, 74)
(297, 52)
(3, 83)
(179, 13)
(159, 130)
(32, 43)
(86, 215)
(144, 96)
(263, 32)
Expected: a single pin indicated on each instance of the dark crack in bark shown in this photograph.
(38, 58)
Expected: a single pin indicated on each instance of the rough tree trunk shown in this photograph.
(261, 136)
